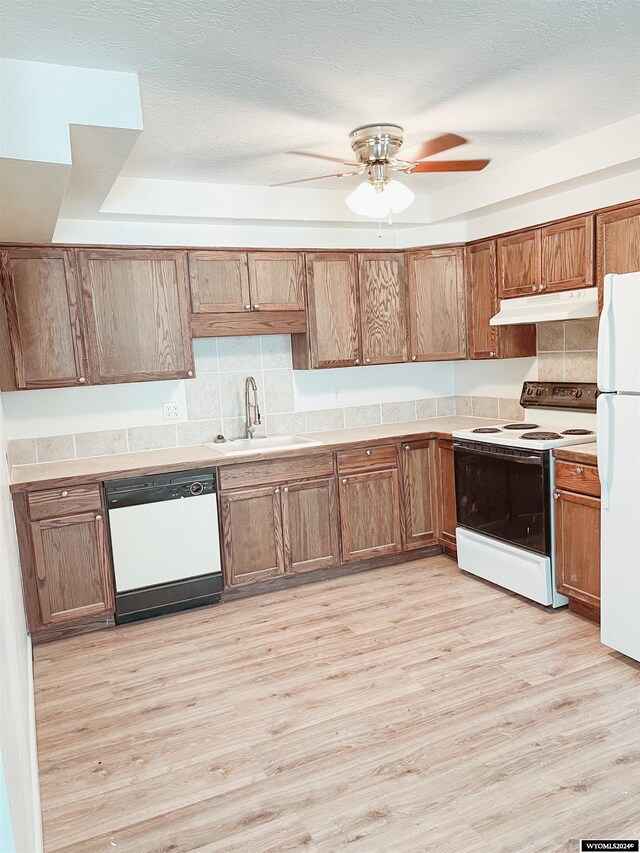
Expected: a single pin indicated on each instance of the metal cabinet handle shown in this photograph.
(413, 357)
(189, 372)
(276, 491)
(368, 453)
(286, 489)
(247, 307)
(344, 480)
(556, 495)
(579, 470)
(82, 380)
(98, 518)
(256, 306)
(64, 494)
(533, 287)
(356, 361)
(407, 447)
(368, 360)
(492, 353)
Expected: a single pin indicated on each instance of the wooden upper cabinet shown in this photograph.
(251, 534)
(578, 547)
(71, 567)
(276, 281)
(484, 340)
(136, 314)
(519, 268)
(419, 490)
(370, 515)
(482, 300)
(333, 337)
(436, 305)
(383, 308)
(567, 254)
(219, 282)
(43, 317)
(618, 242)
(310, 525)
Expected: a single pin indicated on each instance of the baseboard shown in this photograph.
(33, 758)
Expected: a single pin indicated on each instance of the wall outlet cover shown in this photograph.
(171, 411)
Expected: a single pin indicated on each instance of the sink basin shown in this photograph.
(272, 444)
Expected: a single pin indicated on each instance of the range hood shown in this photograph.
(546, 307)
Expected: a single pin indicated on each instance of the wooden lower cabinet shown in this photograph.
(370, 515)
(447, 493)
(578, 548)
(419, 489)
(276, 529)
(251, 534)
(66, 568)
(310, 525)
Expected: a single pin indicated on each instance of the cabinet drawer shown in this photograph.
(275, 471)
(69, 500)
(367, 459)
(578, 478)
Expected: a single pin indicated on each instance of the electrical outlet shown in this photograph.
(171, 411)
(336, 394)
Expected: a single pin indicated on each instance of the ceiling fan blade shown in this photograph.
(447, 166)
(318, 178)
(324, 157)
(435, 146)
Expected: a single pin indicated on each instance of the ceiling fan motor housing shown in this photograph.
(376, 143)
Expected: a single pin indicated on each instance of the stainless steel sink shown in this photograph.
(272, 444)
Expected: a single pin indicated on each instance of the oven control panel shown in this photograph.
(560, 395)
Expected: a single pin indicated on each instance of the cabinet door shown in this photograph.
(370, 515)
(251, 535)
(136, 314)
(276, 281)
(618, 233)
(310, 525)
(334, 326)
(447, 488)
(383, 308)
(519, 264)
(72, 568)
(482, 300)
(419, 490)
(578, 546)
(436, 305)
(43, 314)
(567, 254)
(219, 282)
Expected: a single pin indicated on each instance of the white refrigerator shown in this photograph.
(619, 462)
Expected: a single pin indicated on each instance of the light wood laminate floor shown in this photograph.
(411, 708)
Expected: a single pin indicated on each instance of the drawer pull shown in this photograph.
(579, 470)
(556, 495)
(82, 380)
(344, 480)
(64, 494)
(286, 490)
(368, 453)
(276, 491)
(98, 518)
(407, 447)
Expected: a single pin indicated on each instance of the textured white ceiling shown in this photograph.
(229, 87)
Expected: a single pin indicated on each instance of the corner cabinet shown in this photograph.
(436, 302)
(64, 554)
(484, 340)
(43, 318)
(136, 308)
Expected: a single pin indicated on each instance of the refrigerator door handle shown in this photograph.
(605, 437)
(606, 354)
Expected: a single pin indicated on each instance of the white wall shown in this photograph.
(502, 378)
(17, 720)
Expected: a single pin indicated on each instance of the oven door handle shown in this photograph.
(521, 460)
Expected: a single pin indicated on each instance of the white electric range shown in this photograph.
(505, 480)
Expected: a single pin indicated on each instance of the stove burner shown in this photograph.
(486, 429)
(520, 425)
(540, 436)
(577, 432)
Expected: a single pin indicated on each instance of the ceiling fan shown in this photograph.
(376, 148)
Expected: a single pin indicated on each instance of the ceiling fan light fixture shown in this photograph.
(378, 201)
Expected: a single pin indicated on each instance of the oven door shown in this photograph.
(504, 493)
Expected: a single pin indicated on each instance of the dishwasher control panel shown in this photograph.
(160, 487)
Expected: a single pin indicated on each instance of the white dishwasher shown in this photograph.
(166, 543)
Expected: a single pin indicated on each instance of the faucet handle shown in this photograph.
(258, 415)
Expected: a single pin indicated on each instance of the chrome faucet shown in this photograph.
(251, 409)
